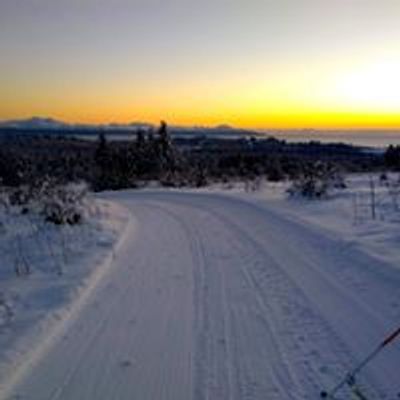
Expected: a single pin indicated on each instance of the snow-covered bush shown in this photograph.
(27, 218)
(253, 184)
(316, 181)
(64, 204)
(58, 203)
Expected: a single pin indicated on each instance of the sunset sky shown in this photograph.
(249, 63)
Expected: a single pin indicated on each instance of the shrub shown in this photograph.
(316, 180)
(64, 204)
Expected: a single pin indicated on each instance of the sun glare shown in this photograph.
(372, 87)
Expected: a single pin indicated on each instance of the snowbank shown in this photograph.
(346, 213)
(64, 262)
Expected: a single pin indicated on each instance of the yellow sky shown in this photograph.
(360, 96)
(296, 64)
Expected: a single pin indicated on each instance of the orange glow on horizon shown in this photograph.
(311, 120)
(295, 64)
(327, 97)
(353, 96)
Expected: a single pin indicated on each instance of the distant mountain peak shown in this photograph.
(224, 127)
(34, 122)
(47, 123)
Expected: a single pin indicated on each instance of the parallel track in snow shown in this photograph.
(220, 298)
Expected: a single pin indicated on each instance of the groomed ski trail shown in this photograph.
(220, 298)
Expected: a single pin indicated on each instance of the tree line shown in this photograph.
(153, 155)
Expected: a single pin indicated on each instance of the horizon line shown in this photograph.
(222, 125)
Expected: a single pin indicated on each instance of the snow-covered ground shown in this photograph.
(220, 294)
(347, 213)
(44, 269)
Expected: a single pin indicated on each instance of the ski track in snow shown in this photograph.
(220, 298)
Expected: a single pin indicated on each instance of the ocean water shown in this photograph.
(376, 139)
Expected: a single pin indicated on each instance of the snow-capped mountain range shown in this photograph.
(48, 125)
(37, 123)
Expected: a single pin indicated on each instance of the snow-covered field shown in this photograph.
(44, 270)
(221, 294)
(349, 213)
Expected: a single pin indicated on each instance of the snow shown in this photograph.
(221, 294)
(64, 262)
(347, 213)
